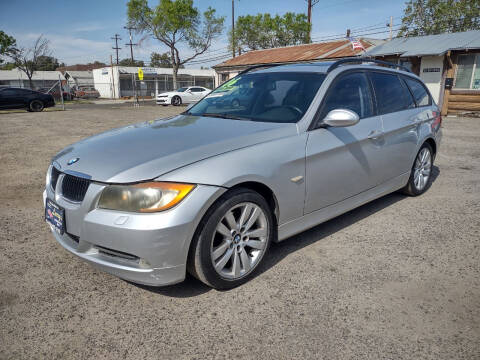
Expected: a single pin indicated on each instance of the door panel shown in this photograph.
(400, 120)
(342, 162)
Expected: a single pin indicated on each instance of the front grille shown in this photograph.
(54, 177)
(74, 188)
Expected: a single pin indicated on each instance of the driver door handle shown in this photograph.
(375, 134)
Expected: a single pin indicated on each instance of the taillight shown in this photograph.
(437, 121)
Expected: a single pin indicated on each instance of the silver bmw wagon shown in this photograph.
(272, 152)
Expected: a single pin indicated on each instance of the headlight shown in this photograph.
(144, 197)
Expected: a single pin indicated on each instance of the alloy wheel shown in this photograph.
(239, 241)
(422, 169)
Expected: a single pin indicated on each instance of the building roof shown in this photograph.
(158, 71)
(80, 74)
(306, 52)
(428, 45)
(17, 74)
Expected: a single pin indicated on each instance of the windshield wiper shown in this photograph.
(224, 116)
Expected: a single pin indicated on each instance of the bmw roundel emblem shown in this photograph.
(73, 161)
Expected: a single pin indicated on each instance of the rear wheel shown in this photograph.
(420, 176)
(36, 105)
(232, 240)
(176, 101)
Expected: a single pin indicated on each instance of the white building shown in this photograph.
(118, 81)
(17, 78)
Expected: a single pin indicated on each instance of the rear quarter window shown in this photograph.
(420, 94)
(390, 93)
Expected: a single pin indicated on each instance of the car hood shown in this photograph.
(147, 150)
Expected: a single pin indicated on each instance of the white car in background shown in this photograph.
(184, 95)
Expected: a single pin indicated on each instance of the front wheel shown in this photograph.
(176, 101)
(420, 176)
(232, 240)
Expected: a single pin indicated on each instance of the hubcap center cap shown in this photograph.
(236, 239)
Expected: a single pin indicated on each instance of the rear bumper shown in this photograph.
(148, 249)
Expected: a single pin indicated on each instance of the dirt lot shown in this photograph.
(398, 278)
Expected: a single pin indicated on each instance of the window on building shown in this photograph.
(468, 72)
(391, 95)
(223, 77)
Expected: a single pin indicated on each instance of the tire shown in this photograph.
(36, 105)
(420, 178)
(217, 247)
(176, 100)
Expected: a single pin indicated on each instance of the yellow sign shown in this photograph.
(140, 74)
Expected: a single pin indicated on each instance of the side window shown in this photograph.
(390, 93)
(419, 92)
(10, 92)
(196, 89)
(350, 92)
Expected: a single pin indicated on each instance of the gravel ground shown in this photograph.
(395, 279)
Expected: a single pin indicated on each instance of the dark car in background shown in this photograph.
(17, 98)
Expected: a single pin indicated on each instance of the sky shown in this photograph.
(80, 31)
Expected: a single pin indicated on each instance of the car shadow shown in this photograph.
(278, 251)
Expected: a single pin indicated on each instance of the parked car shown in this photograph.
(208, 191)
(183, 95)
(56, 93)
(18, 98)
(86, 92)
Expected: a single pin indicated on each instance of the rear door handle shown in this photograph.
(375, 134)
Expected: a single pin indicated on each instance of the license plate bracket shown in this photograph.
(55, 215)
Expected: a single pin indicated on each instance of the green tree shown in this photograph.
(426, 17)
(176, 23)
(47, 63)
(8, 66)
(161, 60)
(7, 45)
(262, 31)
(128, 62)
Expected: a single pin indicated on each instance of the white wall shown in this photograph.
(433, 80)
(102, 79)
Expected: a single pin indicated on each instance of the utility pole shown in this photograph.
(113, 80)
(233, 28)
(391, 28)
(311, 4)
(116, 48)
(131, 44)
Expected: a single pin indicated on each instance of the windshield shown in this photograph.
(281, 97)
(182, 89)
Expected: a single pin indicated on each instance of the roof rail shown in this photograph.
(261, 66)
(364, 60)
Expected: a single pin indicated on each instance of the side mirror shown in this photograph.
(341, 118)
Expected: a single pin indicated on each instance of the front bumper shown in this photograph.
(149, 249)
(163, 101)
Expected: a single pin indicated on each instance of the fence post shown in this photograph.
(61, 91)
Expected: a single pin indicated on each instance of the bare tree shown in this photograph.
(27, 59)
